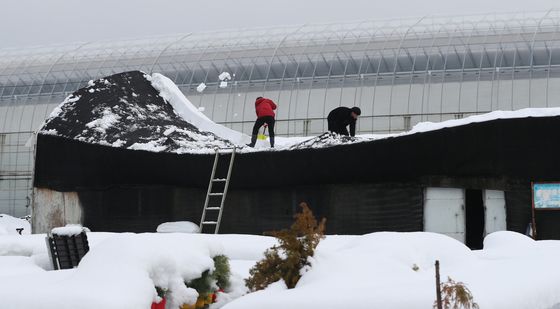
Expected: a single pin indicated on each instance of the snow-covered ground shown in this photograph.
(378, 270)
(11, 225)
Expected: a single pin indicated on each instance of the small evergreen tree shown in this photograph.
(287, 259)
(222, 272)
(203, 285)
(456, 295)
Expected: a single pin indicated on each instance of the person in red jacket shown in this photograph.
(265, 114)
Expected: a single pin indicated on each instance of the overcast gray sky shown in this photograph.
(40, 22)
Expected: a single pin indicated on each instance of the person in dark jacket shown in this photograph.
(341, 117)
(265, 114)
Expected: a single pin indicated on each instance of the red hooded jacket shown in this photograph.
(264, 107)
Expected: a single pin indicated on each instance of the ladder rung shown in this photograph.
(215, 194)
(212, 208)
(209, 222)
(219, 179)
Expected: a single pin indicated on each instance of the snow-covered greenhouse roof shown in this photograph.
(306, 53)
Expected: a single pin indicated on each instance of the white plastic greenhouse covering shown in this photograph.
(399, 72)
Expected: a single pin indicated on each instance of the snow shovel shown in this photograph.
(262, 135)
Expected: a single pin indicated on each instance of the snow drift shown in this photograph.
(379, 270)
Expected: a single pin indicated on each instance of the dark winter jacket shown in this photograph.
(341, 117)
(264, 107)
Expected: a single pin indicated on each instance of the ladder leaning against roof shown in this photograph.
(213, 211)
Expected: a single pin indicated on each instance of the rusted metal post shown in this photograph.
(438, 287)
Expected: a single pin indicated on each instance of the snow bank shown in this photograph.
(121, 273)
(10, 225)
(185, 109)
(380, 270)
(120, 270)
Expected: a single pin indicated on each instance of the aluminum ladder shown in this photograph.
(215, 212)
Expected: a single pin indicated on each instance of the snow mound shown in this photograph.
(120, 272)
(10, 225)
(507, 240)
(380, 270)
(125, 110)
(361, 271)
(328, 139)
(178, 227)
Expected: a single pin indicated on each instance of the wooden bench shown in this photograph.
(66, 251)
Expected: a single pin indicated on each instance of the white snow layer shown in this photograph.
(178, 227)
(121, 270)
(380, 270)
(522, 113)
(185, 109)
(69, 230)
(10, 225)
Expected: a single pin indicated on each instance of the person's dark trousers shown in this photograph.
(338, 129)
(269, 120)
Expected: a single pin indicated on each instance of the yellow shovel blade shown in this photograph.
(261, 136)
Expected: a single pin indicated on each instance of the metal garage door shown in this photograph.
(495, 209)
(444, 212)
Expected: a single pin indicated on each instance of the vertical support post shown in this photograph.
(438, 287)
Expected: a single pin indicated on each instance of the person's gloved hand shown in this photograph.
(265, 125)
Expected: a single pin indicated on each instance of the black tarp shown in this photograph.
(349, 209)
(518, 149)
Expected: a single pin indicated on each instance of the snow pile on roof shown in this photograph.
(331, 139)
(124, 110)
(178, 227)
(136, 111)
(328, 139)
(186, 110)
(10, 225)
(521, 113)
